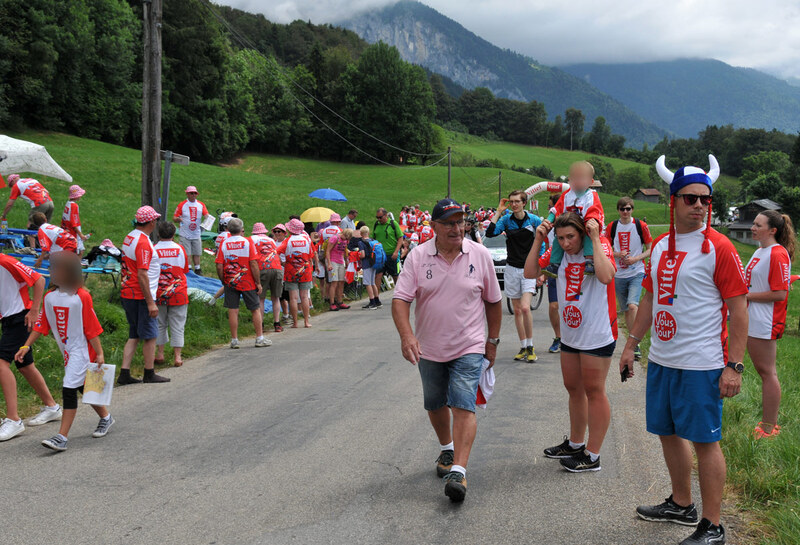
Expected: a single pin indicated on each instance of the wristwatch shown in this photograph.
(736, 366)
(494, 341)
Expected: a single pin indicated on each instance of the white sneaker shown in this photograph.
(235, 343)
(10, 429)
(263, 341)
(47, 414)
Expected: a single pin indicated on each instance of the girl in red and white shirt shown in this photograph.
(767, 274)
(71, 217)
(588, 333)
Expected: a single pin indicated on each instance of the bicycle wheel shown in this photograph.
(537, 297)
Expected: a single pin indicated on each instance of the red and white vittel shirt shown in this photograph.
(74, 323)
(191, 216)
(31, 191)
(587, 206)
(689, 329)
(627, 239)
(329, 232)
(172, 286)
(15, 279)
(588, 308)
(71, 218)
(235, 253)
(426, 233)
(220, 238)
(138, 253)
(449, 318)
(55, 239)
(299, 252)
(267, 251)
(768, 270)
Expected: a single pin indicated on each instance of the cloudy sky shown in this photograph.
(763, 34)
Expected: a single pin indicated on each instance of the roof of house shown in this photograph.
(765, 203)
(649, 191)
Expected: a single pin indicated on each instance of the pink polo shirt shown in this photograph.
(449, 318)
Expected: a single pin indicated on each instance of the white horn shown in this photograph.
(713, 172)
(666, 174)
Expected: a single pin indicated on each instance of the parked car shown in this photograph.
(497, 247)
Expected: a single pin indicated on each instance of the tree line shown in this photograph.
(77, 67)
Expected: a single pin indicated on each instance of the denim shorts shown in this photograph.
(629, 290)
(683, 402)
(451, 383)
(140, 324)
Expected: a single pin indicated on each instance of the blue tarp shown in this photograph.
(212, 285)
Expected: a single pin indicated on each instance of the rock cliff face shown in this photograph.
(428, 38)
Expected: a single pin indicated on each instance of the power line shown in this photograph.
(243, 41)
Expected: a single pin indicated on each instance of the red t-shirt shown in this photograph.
(267, 251)
(299, 254)
(138, 253)
(172, 285)
(31, 191)
(236, 253)
(55, 239)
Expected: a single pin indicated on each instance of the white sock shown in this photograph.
(448, 446)
(592, 455)
(235, 339)
(523, 343)
(107, 417)
(54, 407)
(61, 436)
(459, 469)
(576, 445)
(260, 338)
(529, 342)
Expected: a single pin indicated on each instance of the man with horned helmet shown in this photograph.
(694, 279)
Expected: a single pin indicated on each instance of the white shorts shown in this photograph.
(516, 284)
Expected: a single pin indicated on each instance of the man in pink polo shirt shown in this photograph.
(453, 282)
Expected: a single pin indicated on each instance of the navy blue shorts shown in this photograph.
(684, 403)
(140, 324)
(552, 290)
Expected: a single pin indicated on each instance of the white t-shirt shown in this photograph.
(627, 239)
(330, 232)
(689, 329)
(768, 270)
(588, 308)
(72, 318)
(191, 215)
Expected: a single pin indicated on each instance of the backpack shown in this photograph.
(638, 229)
(378, 254)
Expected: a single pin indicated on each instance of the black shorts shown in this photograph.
(232, 296)
(603, 352)
(14, 335)
(390, 267)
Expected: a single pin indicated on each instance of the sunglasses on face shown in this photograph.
(690, 199)
(626, 209)
(276, 231)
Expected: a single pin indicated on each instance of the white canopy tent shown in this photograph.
(18, 156)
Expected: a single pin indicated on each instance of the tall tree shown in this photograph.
(573, 124)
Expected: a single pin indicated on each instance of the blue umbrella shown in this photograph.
(327, 195)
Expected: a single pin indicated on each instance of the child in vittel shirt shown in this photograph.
(586, 203)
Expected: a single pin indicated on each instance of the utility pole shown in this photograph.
(500, 186)
(151, 103)
(449, 168)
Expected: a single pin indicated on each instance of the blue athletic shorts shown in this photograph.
(451, 383)
(684, 403)
(140, 324)
(552, 290)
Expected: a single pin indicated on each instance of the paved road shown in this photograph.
(321, 438)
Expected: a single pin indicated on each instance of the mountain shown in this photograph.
(426, 37)
(686, 95)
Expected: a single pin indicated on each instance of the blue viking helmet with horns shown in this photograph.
(688, 175)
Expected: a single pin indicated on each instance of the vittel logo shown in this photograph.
(298, 243)
(574, 276)
(665, 326)
(572, 316)
(235, 245)
(667, 276)
(62, 318)
(624, 244)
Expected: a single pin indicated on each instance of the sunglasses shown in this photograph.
(278, 231)
(689, 199)
(378, 217)
(626, 209)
